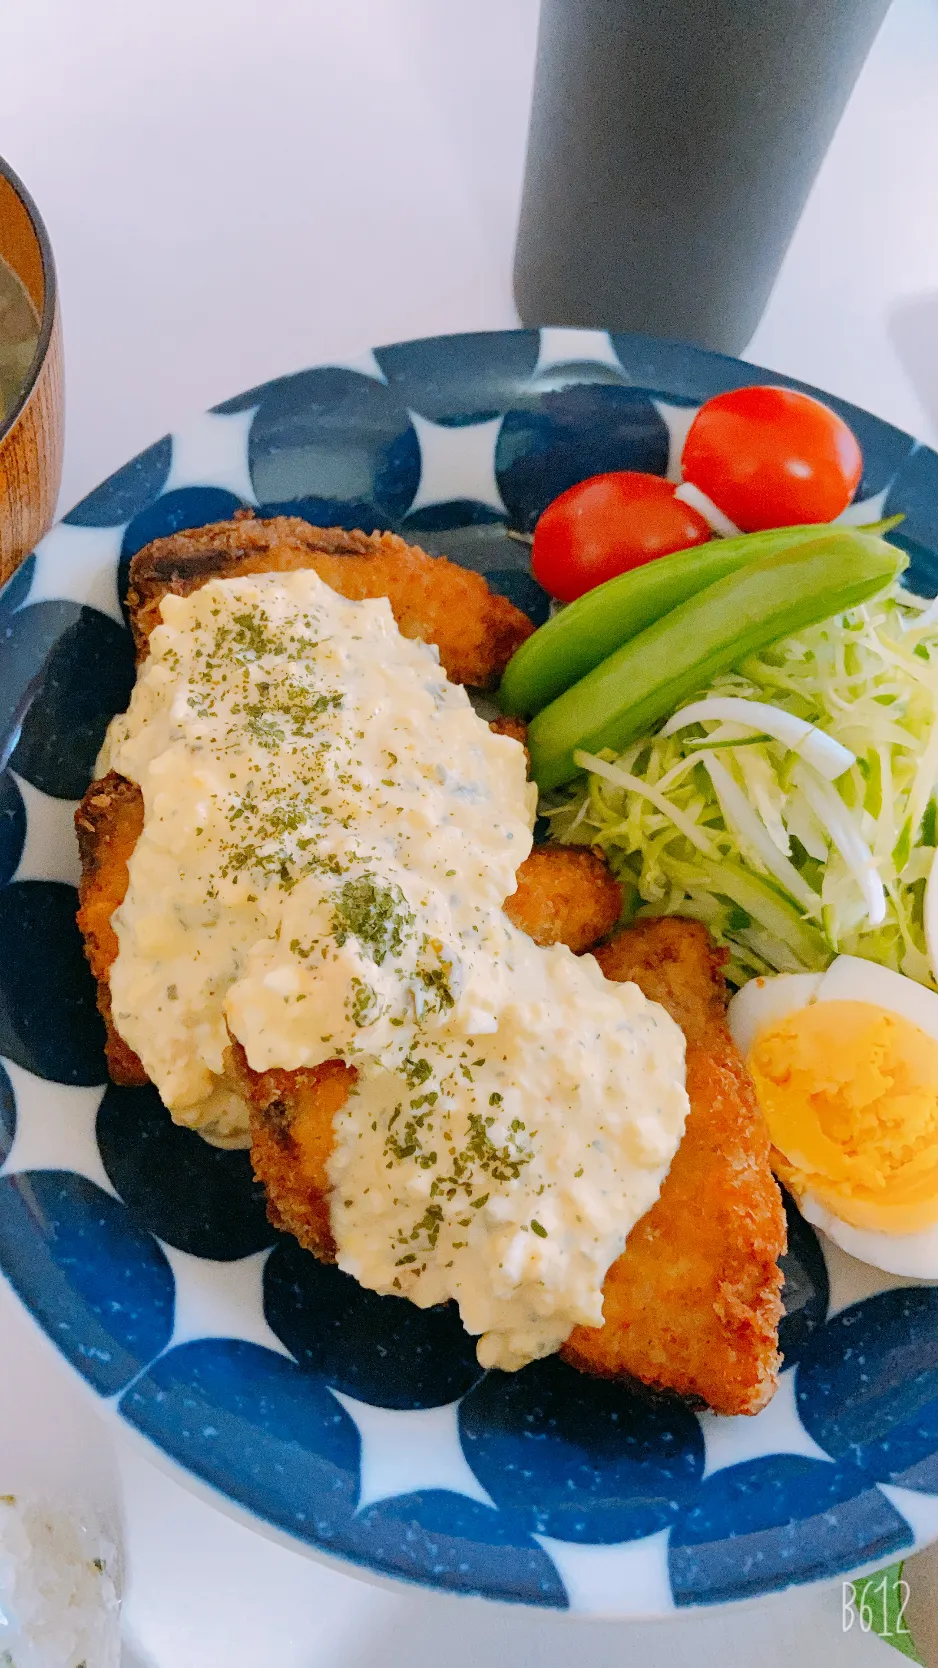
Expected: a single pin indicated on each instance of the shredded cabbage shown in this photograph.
(735, 829)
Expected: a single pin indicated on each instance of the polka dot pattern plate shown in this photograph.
(360, 1427)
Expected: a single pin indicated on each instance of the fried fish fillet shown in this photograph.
(566, 895)
(108, 823)
(692, 1306)
(292, 1116)
(693, 1303)
(433, 599)
(703, 1323)
(475, 630)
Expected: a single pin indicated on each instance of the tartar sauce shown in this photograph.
(329, 834)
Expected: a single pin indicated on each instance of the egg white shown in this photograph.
(913, 1254)
(850, 979)
(766, 1002)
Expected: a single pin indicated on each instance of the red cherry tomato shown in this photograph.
(769, 457)
(605, 525)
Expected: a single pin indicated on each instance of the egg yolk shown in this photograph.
(848, 1091)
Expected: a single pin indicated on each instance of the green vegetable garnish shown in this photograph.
(782, 591)
(671, 838)
(583, 634)
(577, 639)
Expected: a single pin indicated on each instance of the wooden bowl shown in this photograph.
(31, 434)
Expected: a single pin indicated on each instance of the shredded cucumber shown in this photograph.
(733, 828)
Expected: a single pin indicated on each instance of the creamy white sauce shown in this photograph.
(329, 834)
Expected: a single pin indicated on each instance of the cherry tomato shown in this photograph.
(609, 523)
(770, 457)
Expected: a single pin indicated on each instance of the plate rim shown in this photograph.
(108, 1407)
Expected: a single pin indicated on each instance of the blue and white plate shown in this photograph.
(358, 1426)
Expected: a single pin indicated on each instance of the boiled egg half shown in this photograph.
(844, 1065)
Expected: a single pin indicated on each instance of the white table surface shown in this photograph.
(238, 188)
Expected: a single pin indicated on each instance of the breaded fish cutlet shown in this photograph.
(108, 823)
(691, 1309)
(475, 630)
(564, 895)
(693, 1304)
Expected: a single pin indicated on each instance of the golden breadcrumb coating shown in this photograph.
(693, 1303)
(476, 631)
(566, 895)
(108, 823)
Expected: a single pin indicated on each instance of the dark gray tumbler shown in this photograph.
(672, 146)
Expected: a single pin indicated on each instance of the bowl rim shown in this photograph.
(49, 301)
